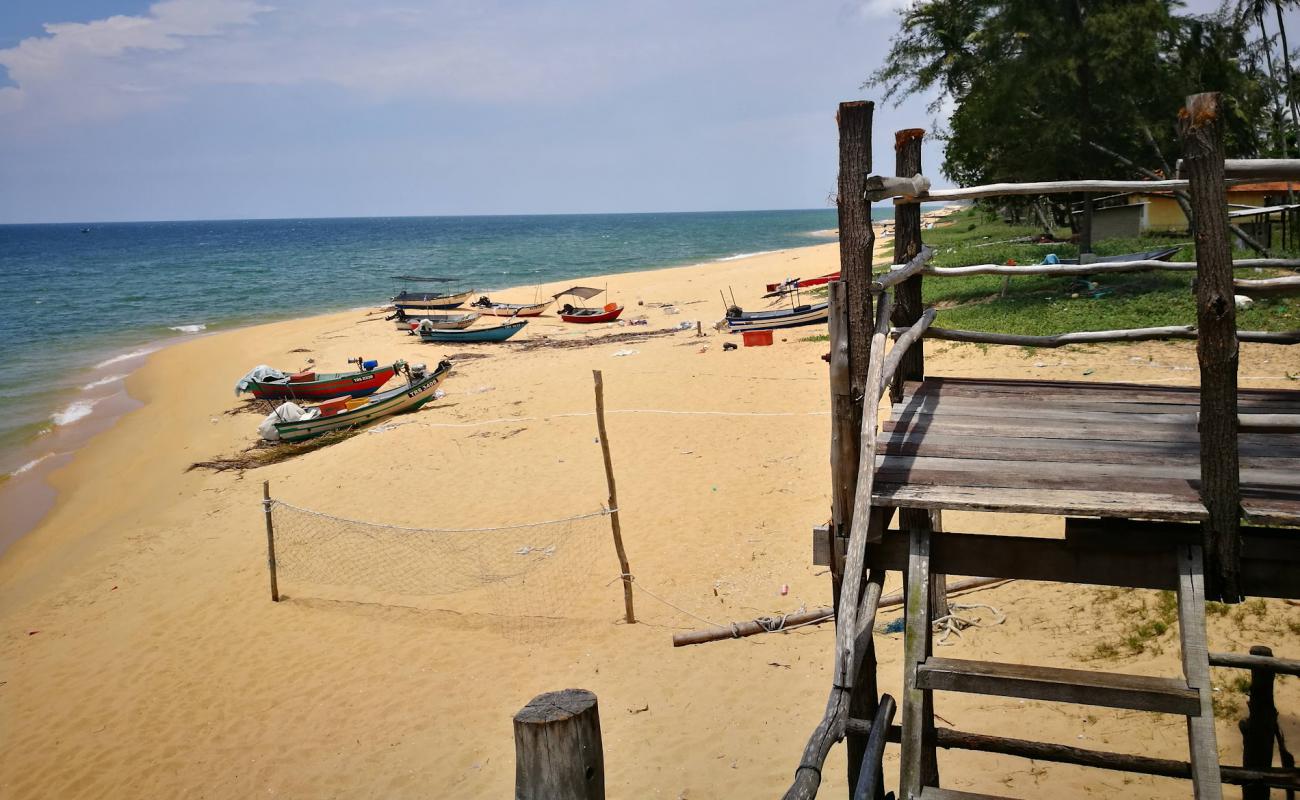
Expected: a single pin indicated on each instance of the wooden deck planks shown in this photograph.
(1097, 449)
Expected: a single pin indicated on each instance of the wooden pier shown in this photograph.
(1193, 490)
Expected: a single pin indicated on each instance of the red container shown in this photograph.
(331, 407)
(302, 377)
(757, 338)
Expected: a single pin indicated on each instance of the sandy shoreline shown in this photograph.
(143, 657)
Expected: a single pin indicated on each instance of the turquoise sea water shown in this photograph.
(76, 300)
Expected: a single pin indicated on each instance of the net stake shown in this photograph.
(626, 571)
(270, 540)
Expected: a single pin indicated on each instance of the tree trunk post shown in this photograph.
(270, 540)
(908, 308)
(558, 752)
(1200, 125)
(1260, 727)
(614, 523)
(857, 241)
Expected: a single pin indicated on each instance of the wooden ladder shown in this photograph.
(923, 673)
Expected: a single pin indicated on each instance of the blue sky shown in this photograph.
(189, 109)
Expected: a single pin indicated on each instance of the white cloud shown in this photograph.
(91, 69)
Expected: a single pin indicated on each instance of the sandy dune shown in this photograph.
(143, 658)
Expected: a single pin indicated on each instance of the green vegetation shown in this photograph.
(1040, 305)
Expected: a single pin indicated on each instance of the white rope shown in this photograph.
(637, 584)
(571, 414)
(589, 515)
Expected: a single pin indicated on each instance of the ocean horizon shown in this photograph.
(85, 302)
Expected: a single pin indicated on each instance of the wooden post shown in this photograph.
(907, 244)
(908, 308)
(558, 753)
(857, 241)
(1260, 727)
(614, 523)
(1085, 230)
(1200, 125)
(270, 540)
(844, 435)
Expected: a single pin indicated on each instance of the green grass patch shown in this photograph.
(1043, 305)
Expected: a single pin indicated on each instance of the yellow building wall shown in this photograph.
(1164, 214)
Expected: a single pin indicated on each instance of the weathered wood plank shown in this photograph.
(1280, 666)
(1084, 474)
(1039, 501)
(1099, 759)
(918, 703)
(1109, 689)
(1196, 667)
(1048, 451)
(1100, 390)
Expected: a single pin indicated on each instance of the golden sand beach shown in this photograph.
(142, 656)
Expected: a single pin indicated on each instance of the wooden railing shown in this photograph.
(861, 372)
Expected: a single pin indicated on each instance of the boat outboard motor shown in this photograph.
(483, 302)
(568, 309)
(735, 312)
(417, 372)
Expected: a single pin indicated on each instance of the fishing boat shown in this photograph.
(410, 322)
(741, 320)
(427, 301)
(790, 284)
(484, 305)
(1160, 254)
(290, 423)
(583, 314)
(267, 383)
(477, 336)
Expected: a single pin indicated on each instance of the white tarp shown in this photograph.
(261, 373)
(287, 412)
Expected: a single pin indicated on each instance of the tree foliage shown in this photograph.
(1027, 80)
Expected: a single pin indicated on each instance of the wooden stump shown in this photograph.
(558, 753)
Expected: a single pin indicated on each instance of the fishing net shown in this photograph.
(518, 578)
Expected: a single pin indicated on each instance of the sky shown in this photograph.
(221, 109)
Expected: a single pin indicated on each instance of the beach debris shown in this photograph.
(686, 325)
(438, 394)
(730, 346)
(482, 390)
(671, 310)
(624, 353)
(1088, 371)
(32, 633)
(785, 589)
(640, 710)
(778, 664)
(623, 337)
(638, 321)
(1243, 301)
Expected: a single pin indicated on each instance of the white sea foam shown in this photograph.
(189, 328)
(739, 256)
(102, 382)
(30, 464)
(76, 410)
(124, 357)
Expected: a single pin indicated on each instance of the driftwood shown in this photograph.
(901, 272)
(1258, 169)
(880, 187)
(906, 339)
(1044, 187)
(1281, 666)
(1268, 287)
(1094, 337)
(1098, 268)
(740, 630)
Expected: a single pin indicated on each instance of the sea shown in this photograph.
(83, 304)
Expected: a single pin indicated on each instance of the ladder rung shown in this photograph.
(935, 793)
(1114, 690)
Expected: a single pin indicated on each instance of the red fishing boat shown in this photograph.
(584, 314)
(267, 383)
(795, 283)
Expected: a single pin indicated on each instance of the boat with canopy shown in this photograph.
(584, 314)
